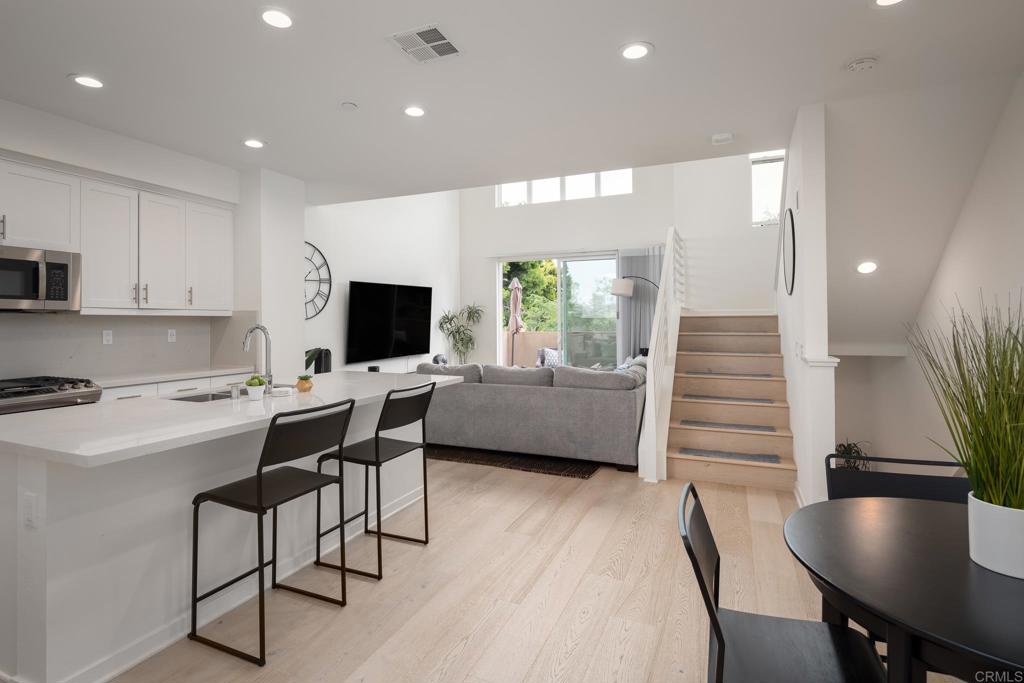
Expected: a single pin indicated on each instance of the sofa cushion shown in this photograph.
(470, 373)
(583, 378)
(639, 372)
(534, 377)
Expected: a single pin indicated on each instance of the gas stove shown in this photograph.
(37, 393)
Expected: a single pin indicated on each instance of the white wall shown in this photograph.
(405, 240)
(803, 317)
(37, 133)
(274, 211)
(729, 263)
(983, 255)
(490, 234)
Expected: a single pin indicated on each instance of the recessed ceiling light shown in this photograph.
(887, 3)
(867, 267)
(637, 50)
(349, 106)
(277, 18)
(414, 111)
(721, 138)
(253, 143)
(87, 81)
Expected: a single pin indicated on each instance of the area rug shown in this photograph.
(560, 467)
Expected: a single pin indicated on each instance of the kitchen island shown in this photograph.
(95, 519)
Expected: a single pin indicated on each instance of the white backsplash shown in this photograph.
(71, 345)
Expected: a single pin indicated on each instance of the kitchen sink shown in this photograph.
(203, 398)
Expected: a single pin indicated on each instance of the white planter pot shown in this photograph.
(996, 536)
(256, 393)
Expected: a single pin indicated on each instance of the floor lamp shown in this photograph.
(623, 287)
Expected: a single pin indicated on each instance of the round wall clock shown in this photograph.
(789, 251)
(317, 281)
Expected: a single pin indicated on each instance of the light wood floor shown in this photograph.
(527, 577)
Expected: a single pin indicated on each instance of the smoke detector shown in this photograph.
(862, 64)
(721, 138)
(425, 44)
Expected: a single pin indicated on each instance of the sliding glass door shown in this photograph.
(587, 311)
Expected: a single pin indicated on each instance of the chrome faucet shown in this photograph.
(248, 342)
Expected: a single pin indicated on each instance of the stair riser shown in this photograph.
(739, 365)
(771, 416)
(739, 475)
(781, 446)
(729, 343)
(729, 323)
(731, 388)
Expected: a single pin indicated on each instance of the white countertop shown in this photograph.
(104, 433)
(112, 381)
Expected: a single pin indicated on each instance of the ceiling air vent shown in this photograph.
(425, 44)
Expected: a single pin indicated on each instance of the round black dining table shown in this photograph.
(902, 569)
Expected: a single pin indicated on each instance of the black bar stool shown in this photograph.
(402, 407)
(292, 435)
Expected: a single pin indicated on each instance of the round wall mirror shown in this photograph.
(789, 251)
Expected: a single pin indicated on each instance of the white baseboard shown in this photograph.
(116, 663)
(796, 494)
(8, 678)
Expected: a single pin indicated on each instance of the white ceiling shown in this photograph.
(539, 90)
(899, 167)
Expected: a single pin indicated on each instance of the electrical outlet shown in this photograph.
(172, 335)
(108, 337)
(30, 509)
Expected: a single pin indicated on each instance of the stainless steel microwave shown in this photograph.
(39, 280)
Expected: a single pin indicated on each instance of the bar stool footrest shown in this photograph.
(227, 648)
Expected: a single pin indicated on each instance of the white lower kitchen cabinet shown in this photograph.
(129, 392)
(183, 386)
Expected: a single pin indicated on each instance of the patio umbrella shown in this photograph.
(515, 313)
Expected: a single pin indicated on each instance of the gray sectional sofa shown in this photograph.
(562, 411)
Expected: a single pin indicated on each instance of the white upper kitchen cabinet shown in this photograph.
(110, 246)
(163, 252)
(211, 281)
(39, 208)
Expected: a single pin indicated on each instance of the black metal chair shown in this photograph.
(402, 407)
(846, 482)
(746, 647)
(292, 435)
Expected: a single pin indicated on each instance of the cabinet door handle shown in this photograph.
(121, 398)
(3, 227)
(188, 389)
(145, 293)
(189, 296)
(135, 293)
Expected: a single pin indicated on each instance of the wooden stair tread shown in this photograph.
(734, 354)
(783, 465)
(730, 334)
(779, 431)
(728, 315)
(726, 401)
(709, 375)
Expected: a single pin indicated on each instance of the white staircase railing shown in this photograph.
(661, 362)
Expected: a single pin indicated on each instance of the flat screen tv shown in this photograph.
(387, 321)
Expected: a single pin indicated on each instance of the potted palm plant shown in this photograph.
(976, 373)
(457, 327)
